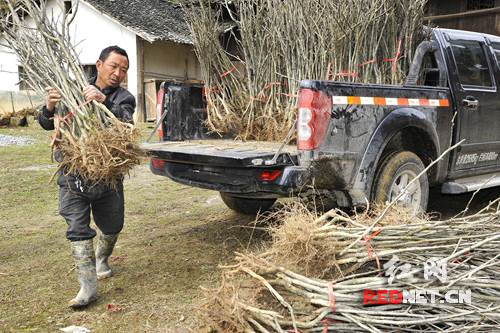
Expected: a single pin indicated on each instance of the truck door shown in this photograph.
(478, 104)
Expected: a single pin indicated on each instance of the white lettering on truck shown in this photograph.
(474, 158)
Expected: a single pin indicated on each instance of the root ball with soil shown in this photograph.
(108, 153)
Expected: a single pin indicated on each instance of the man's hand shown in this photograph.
(91, 92)
(52, 97)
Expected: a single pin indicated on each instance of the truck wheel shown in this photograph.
(246, 206)
(395, 172)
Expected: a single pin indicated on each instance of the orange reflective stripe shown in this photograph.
(444, 102)
(403, 101)
(353, 100)
(368, 100)
(424, 102)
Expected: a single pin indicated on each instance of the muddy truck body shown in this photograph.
(359, 142)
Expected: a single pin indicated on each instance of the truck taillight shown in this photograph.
(268, 175)
(159, 111)
(313, 118)
(157, 163)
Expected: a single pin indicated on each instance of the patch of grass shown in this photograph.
(173, 240)
(162, 256)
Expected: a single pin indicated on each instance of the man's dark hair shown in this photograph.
(105, 53)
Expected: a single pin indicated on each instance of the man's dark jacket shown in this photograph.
(118, 100)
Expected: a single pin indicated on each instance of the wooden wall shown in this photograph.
(455, 15)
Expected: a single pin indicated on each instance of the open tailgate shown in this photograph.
(223, 152)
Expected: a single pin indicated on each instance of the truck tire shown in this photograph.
(394, 173)
(246, 206)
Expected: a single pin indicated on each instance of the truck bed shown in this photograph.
(223, 152)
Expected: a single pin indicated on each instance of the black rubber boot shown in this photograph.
(83, 253)
(105, 247)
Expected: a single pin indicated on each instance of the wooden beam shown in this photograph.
(140, 79)
(463, 14)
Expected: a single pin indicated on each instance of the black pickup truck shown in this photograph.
(359, 142)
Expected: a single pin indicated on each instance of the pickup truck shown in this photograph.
(359, 142)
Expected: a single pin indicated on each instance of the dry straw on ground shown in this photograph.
(279, 43)
(305, 283)
(91, 140)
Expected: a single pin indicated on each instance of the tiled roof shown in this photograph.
(150, 19)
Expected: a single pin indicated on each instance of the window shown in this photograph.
(429, 71)
(472, 64)
(68, 7)
(480, 4)
(90, 71)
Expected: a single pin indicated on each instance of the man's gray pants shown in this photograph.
(77, 201)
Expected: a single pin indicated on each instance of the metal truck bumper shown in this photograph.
(241, 182)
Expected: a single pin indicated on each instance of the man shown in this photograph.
(77, 199)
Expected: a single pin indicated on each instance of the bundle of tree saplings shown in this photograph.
(92, 141)
(253, 54)
(376, 272)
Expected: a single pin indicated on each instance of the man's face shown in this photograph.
(112, 71)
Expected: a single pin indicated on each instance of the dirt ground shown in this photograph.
(174, 239)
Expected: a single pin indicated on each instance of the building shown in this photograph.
(473, 15)
(153, 32)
